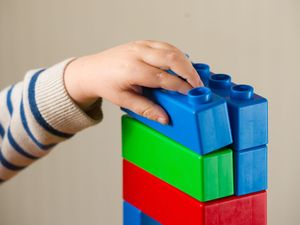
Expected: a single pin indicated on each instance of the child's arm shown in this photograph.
(52, 105)
(35, 115)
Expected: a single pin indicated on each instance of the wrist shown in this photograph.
(76, 85)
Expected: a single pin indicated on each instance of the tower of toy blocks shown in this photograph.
(208, 166)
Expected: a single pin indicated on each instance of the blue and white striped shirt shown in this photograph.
(35, 115)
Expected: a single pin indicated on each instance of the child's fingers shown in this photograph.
(159, 45)
(157, 78)
(174, 60)
(144, 107)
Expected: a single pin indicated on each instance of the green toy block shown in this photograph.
(205, 177)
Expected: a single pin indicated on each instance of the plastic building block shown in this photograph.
(134, 216)
(248, 112)
(221, 84)
(198, 120)
(251, 170)
(170, 206)
(238, 210)
(203, 71)
(205, 177)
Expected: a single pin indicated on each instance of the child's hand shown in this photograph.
(119, 73)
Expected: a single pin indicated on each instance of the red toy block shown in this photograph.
(170, 206)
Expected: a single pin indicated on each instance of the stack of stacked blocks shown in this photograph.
(208, 166)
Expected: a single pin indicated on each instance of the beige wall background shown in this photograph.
(79, 183)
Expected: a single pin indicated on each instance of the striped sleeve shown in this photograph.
(37, 114)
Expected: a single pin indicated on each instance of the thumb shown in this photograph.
(144, 107)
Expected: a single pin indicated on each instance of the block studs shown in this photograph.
(203, 70)
(242, 92)
(199, 95)
(220, 81)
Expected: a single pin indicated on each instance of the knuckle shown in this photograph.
(172, 56)
(161, 76)
(170, 46)
(134, 46)
(135, 42)
(138, 42)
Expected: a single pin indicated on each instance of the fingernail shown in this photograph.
(162, 120)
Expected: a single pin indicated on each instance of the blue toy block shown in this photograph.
(134, 216)
(198, 120)
(248, 112)
(204, 72)
(250, 169)
(221, 84)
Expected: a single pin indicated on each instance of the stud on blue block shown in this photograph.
(248, 112)
(198, 120)
(250, 169)
(221, 84)
(204, 72)
(134, 216)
